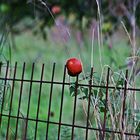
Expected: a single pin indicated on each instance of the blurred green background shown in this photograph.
(51, 32)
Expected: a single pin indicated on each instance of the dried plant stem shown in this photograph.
(45, 5)
(84, 108)
(132, 75)
(99, 44)
(111, 113)
(97, 119)
(125, 29)
(92, 47)
(100, 36)
(134, 54)
(85, 112)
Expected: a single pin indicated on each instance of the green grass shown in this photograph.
(33, 49)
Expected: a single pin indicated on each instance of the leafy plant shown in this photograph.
(113, 106)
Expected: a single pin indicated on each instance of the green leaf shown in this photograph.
(83, 97)
(84, 90)
(102, 109)
(136, 111)
(74, 90)
(120, 82)
(138, 128)
(4, 8)
(106, 27)
(95, 92)
(137, 116)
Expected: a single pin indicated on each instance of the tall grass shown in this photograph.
(117, 121)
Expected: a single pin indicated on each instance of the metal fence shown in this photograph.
(15, 122)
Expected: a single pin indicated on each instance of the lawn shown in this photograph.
(29, 49)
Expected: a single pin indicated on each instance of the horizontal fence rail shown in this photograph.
(27, 104)
(66, 83)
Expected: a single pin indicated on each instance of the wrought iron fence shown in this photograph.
(27, 104)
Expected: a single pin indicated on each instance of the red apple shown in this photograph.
(56, 9)
(74, 66)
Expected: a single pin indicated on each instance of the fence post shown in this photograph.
(50, 101)
(5, 81)
(89, 98)
(29, 100)
(106, 102)
(11, 100)
(123, 107)
(20, 96)
(61, 106)
(74, 108)
(39, 96)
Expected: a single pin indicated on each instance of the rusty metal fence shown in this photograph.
(15, 122)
